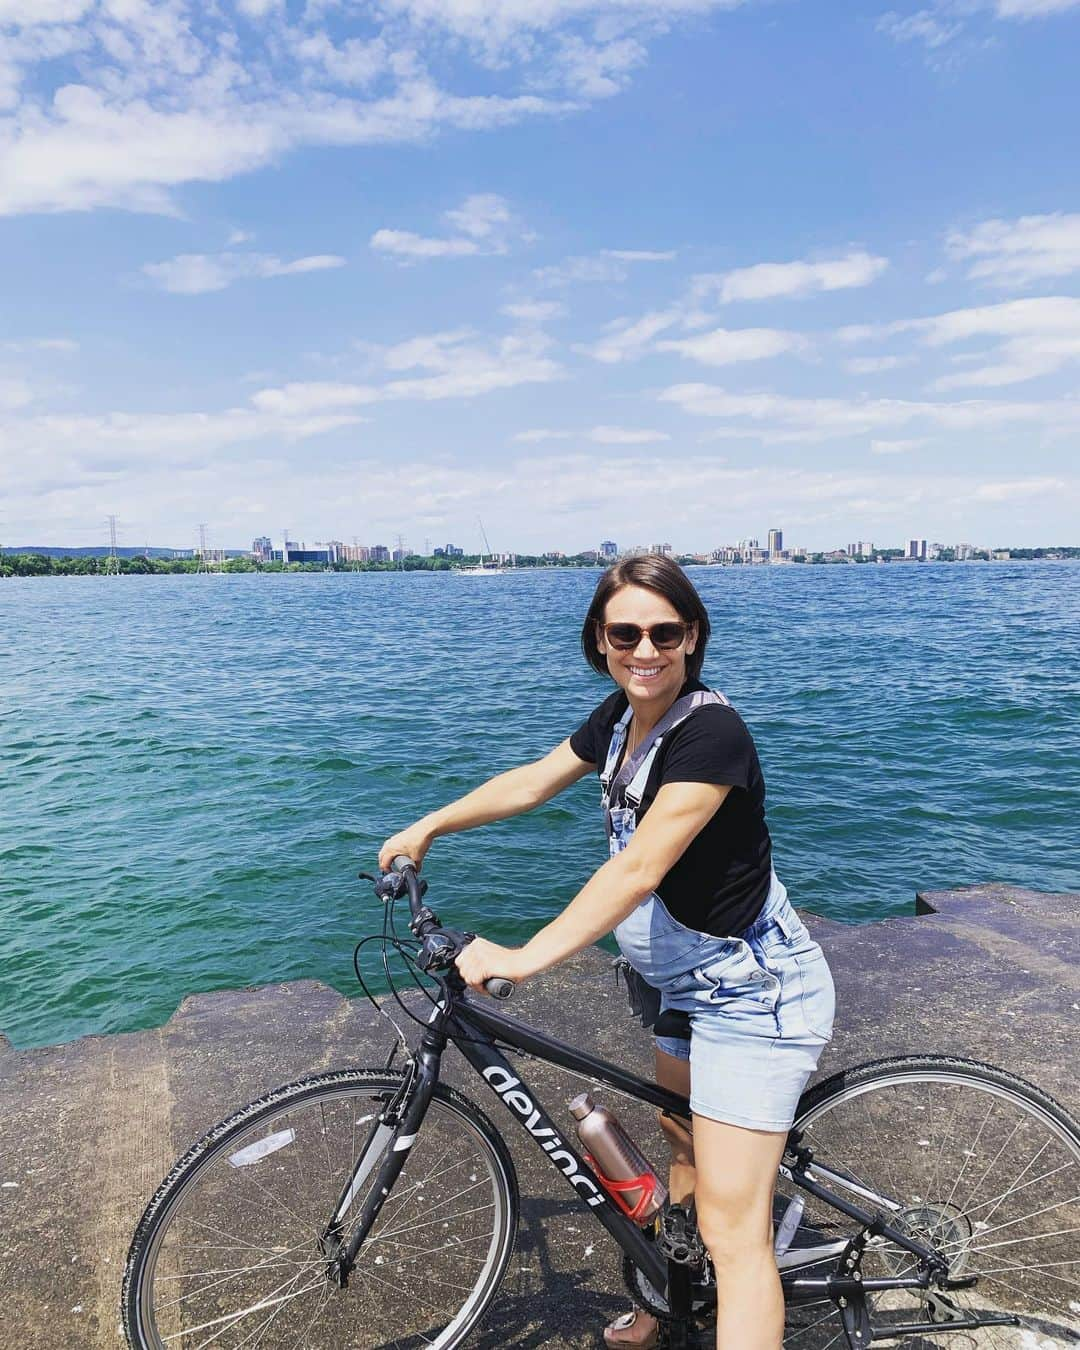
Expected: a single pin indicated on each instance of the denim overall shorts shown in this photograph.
(760, 1003)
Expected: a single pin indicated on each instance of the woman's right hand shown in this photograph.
(413, 843)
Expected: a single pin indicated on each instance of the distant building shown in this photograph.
(662, 550)
(866, 548)
(299, 554)
(609, 550)
(916, 548)
(380, 553)
(262, 549)
(452, 551)
(776, 543)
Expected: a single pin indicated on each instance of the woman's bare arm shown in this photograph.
(507, 794)
(678, 814)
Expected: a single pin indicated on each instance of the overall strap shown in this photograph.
(618, 739)
(635, 772)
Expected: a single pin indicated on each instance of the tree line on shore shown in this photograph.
(45, 565)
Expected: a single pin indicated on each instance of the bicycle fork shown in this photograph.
(384, 1153)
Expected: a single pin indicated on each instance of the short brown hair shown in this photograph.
(653, 572)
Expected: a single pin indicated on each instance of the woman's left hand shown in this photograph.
(481, 960)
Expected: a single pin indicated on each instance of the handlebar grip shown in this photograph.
(401, 862)
(497, 987)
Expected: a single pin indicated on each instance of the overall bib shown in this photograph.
(760, 1003)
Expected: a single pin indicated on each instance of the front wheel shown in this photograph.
(228, 1251)
(976, 1163)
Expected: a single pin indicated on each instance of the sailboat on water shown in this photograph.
(482, 569)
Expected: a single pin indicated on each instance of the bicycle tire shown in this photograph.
(911, 1127)
(217, 1190)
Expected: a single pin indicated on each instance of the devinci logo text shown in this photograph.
(509, 1089)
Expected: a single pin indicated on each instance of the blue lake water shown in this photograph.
(194, 767)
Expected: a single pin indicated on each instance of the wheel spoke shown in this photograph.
(233, 1261)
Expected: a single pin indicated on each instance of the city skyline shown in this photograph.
(264, 548)
(668, 265)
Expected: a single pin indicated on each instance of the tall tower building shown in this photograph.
(776, 543)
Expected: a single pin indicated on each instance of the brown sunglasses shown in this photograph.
(624, 637)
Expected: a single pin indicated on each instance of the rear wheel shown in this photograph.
(984, 1167)
(228, 1253)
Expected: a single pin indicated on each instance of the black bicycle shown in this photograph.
(923, 1201)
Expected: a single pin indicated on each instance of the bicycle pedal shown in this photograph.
(678, 1239)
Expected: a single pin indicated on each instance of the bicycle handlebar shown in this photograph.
(496, 986)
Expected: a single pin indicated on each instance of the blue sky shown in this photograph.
(649, 270)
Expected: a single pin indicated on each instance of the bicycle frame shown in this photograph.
(474, 1028)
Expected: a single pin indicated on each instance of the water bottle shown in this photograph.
(623, 1170)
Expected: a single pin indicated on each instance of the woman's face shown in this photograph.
(647, 675)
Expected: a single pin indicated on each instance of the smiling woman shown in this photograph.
(745, 997)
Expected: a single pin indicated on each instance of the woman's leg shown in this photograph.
(674, 1074)
(736, 1173)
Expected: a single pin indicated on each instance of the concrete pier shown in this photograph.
(88, 1129)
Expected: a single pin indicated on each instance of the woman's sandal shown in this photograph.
(643, 1340)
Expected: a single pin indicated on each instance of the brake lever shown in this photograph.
(391, 885)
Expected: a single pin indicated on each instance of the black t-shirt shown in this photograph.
(720, 883)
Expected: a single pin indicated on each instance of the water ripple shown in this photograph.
(194, 768)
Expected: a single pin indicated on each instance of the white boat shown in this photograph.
(483, 569)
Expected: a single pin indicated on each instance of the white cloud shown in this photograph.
(601, 435)
(726, 346)
(65, 345)
(771, 281)
(923, 26)
(535, 311)
(874, 365)
(1038, 336)
(164, 101)
(481, 215)
(24, 13)
(298, 399)
(1019, 488)
(356, 62)
(626, 339)
(498, 23)
(1032, 9)
(14, 393)
(897, 447)
(1016, 252)
(484, 224)
(258, 9)
(778, 417)
(174, 93)
(626, 436)
(610, 264)
(405, 244)
(597, 69)
(539, 434)
(197, 273)
(457, 365)
(641, 254)
(581, 269)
